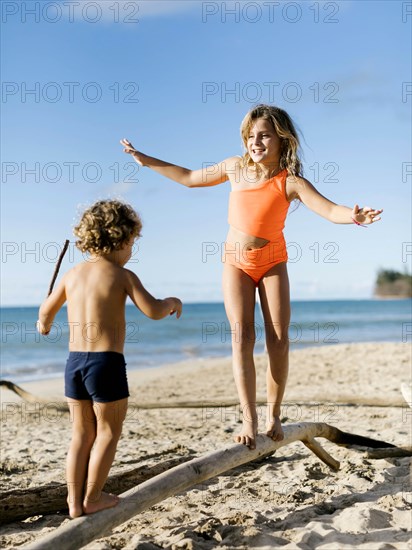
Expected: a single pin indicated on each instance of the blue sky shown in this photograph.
(176, 78)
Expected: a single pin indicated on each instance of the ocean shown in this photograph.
(202, 332)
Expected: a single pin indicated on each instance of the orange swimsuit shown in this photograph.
(261, 212)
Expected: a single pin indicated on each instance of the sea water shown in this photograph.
(203, 331)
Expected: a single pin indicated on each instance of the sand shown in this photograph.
(289, 500)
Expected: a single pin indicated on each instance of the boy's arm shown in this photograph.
(213, 174)
(50, 307)
(302, 189)
(148, 304)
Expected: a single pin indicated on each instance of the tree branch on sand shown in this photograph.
(57, 404)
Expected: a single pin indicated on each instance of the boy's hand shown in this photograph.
(138, 157)
(176, 307)
(41, 328)
(366, 215)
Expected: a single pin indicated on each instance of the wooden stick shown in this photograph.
(58, 264)
(320, 452)
(61, 405)
(79, 532)
(30, 398)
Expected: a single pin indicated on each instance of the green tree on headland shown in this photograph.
(390, 283)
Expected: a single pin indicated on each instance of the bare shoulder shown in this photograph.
(79, 269)
(232, 167)
(73, 273)
(134, 287)
(232, 163)
(295, 185)
(130, 277)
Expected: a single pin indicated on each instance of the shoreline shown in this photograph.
(48, 386)
(220, 302)
(294, 348)
(54, 387)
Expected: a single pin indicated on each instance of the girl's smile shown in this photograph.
(263, 143)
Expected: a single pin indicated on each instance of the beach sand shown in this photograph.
(289, 500)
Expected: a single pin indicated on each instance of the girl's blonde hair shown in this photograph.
(107, 226)
(285, 129)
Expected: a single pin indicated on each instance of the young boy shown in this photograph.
(95, 377)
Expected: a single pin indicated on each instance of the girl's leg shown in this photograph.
(109, 420)
(239, 293)
(83, 436)
(275, 302)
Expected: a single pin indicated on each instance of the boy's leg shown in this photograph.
(109, 420)
(239, 292)
(275, 302)
(83, 436)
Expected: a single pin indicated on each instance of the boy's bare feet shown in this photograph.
(248, 434)
(75, 510)
(274, 429)
(106, 500)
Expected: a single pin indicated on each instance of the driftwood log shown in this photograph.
(62, 405)
(19, 504)
(79, 532)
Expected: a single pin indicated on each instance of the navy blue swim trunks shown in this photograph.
(97, 375)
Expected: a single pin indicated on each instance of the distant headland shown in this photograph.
(393, 284)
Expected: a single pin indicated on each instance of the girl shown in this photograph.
(264, 182)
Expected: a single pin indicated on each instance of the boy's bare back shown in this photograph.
(96, 296)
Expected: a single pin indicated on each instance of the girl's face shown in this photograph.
(263, 143)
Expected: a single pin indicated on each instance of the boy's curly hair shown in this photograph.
(107, 226)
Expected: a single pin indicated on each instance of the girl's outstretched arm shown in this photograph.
(205, 177)
(303, 190)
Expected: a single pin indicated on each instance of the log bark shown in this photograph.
(390, 453)
(79, 532)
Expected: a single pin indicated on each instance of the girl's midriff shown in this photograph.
(246, 242)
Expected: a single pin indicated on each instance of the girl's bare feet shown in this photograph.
(106, 500)
(274, 429)
(75, 510)
(248, 434)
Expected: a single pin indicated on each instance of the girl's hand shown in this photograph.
(138, 157)
(176, 308)
(365, 215)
